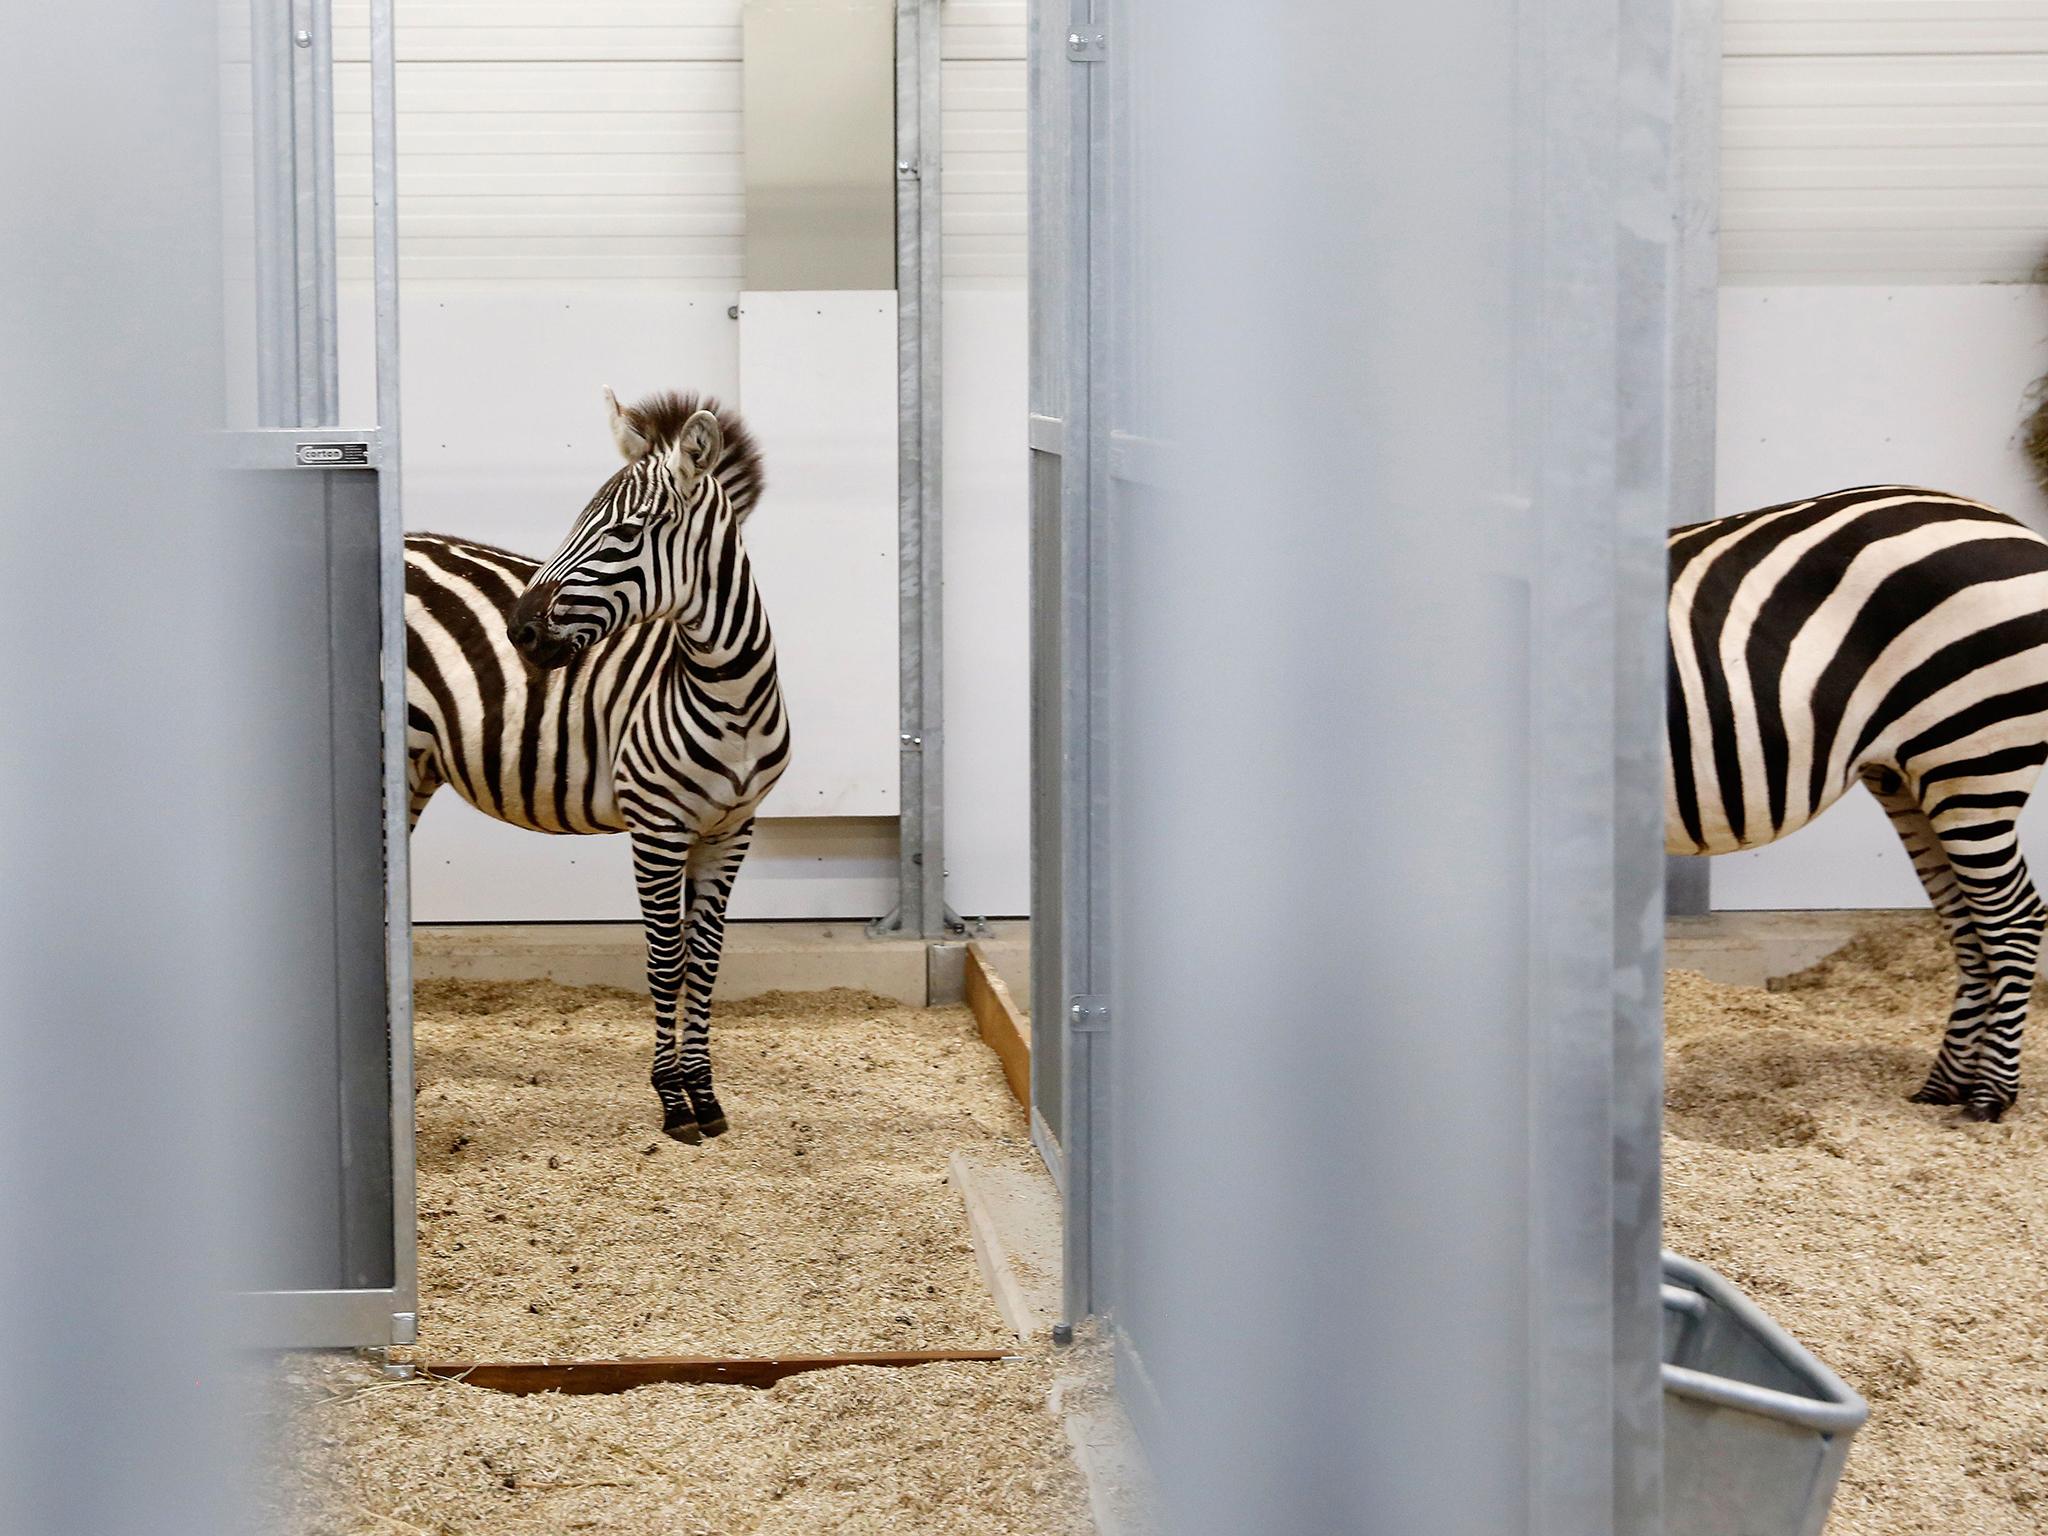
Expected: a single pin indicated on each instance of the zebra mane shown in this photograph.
(660, 418)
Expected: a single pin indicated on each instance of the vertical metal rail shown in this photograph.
(391, 542)
(1084, 712)
(275, 204)
(1047, 83)
(1695, 315)
(292, 85)
(313, 143)
(921, 817)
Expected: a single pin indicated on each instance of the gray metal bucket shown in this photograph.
(1755, 1428)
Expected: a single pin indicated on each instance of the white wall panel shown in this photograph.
(1868, 141)
(818, 385)
(984, 214)
(1826, 387)
(551, 30)
(982, 29)
(557, 139)
(988, 598)
(988, 702)
(467, 868)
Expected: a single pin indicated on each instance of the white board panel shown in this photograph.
(1826, 387)
(988, 604)
(506, 437)
(818, 386)
(467, 868)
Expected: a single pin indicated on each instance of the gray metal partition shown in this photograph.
(329, 1095)
(1351, 441)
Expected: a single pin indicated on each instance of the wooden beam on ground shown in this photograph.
(587, 1376)
(1002, 1026)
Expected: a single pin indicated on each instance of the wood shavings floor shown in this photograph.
(1906, 1247)
(555, 1221)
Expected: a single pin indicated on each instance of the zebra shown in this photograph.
(625, 684)
(1892, 635)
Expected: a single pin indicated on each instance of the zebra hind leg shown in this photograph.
(659, 861)
(1949, 1078)
(2008, 918)
(714, 863)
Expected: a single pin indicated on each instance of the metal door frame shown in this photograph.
(298, 394)
(1070, 953)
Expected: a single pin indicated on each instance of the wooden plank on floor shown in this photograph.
(587, 1376)
(1002, 1026)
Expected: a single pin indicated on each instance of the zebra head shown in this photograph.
(629, 556)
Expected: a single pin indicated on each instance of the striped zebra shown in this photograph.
(626, 684)
(1896, 636)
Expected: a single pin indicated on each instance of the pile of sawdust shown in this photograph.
(1907, 1247)
(939, 1450)
(556, 1220)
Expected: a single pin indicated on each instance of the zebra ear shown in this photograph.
(631, 444)
(696, 449)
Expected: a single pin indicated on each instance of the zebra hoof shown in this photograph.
(715, 1126)
(688, 1132)
(1985, 1111)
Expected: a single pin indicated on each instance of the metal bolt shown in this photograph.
(906, 168)
(303, 38)
(732, 311)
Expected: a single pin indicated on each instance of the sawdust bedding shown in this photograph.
(967, 1449)
(556, 1221)
(1908, 1248)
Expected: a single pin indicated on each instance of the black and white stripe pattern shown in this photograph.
(1895, 636)
(627, 684)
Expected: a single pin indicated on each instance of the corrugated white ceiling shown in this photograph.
(1884, 141)
(589, 140)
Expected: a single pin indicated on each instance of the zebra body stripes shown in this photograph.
(1897, 637)
(626, 684)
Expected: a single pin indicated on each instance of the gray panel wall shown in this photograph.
(1364, 465)
(316, 1121)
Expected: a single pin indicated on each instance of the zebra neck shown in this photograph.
(724, 655)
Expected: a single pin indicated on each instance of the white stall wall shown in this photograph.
(984, 369)
(571, 216)
(1825, 387)
(1884, 199)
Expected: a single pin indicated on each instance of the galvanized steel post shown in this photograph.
(920, 909)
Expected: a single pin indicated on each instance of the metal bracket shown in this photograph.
(1088, 1015)
(1087, 47)
(304, 448)
(890, 926)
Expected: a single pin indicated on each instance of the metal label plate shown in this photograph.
(334, 455)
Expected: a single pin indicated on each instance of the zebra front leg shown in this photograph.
(660, 862)
(707, 885)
